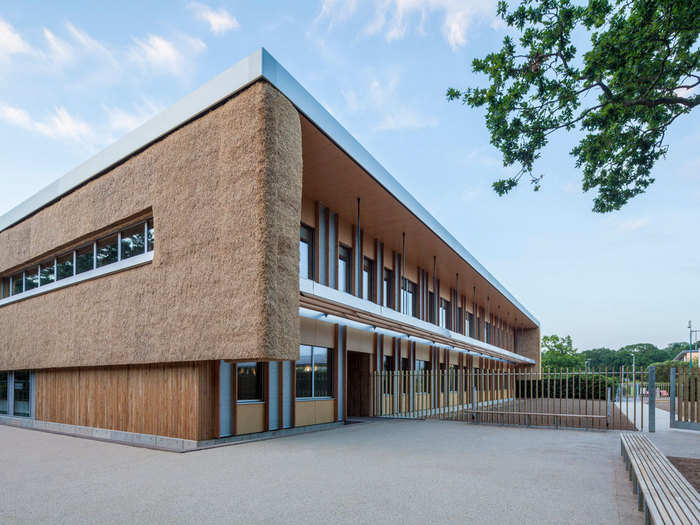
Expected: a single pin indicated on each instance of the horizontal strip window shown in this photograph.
(129, 247)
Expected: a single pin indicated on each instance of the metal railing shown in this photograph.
(596, 399)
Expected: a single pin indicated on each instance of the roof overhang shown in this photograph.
(258, 65)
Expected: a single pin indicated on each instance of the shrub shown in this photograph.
(572, 386)
(663, 370)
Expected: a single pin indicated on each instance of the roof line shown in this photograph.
(259, 64)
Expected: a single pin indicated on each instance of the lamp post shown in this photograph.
(690, 338)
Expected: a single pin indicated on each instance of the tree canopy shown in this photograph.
(638, 72)
(559, 352)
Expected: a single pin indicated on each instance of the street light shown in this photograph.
(690, 337)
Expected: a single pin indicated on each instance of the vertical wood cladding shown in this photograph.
(174, 400)
(225, 191)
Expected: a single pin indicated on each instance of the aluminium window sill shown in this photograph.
(119, 266)
(315, 398)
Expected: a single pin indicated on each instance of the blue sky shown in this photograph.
(75, 78)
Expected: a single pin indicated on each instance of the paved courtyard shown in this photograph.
(382, 472)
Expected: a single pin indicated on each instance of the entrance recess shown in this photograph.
(359, 384)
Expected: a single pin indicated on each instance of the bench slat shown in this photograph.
(674, 506)
(681, 484)
(673, 485)
(659, 515)
(668, 495)
(677, 486)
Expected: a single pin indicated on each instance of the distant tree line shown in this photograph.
(559, 352)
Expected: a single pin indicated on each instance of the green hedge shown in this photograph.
(571, 387)
(663, 370)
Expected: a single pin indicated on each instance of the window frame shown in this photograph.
(431, 307)
(7, 410)
(305, 229)
(368, 279)
(444, 318)
(330, 354)
(409, 288)
(260, 379)
(345, 256)
(388, 364)
(11, 398)
(423, 370)
(388, 288)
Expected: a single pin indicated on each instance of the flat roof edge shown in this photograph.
(259, 64)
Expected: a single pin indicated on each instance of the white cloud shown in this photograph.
(89, 45)
(121, 120)
(336, 11)
(484, 156)
(381, 98)
(160, 55)
(60, 51)
(405, 118)
(16, 116)
(632, 225)
(60, 125)
(195, 45)
(219, 21)
(395, 18)
(352, 100)
(11, 42)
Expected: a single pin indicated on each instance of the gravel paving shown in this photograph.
(402, 472)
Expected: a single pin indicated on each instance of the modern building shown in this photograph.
(239, 264)
(686, 354)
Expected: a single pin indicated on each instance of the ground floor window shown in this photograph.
(314, 372)
(422, 375)
(405, 367)
(22, 390)
(250, 382)
(3, 393)
(454, 374)
(388, 363)
(16, 393)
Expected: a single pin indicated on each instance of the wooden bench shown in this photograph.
(664, 495)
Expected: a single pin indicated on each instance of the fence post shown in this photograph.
(652, 399)
(397, 390)
(672, 399)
